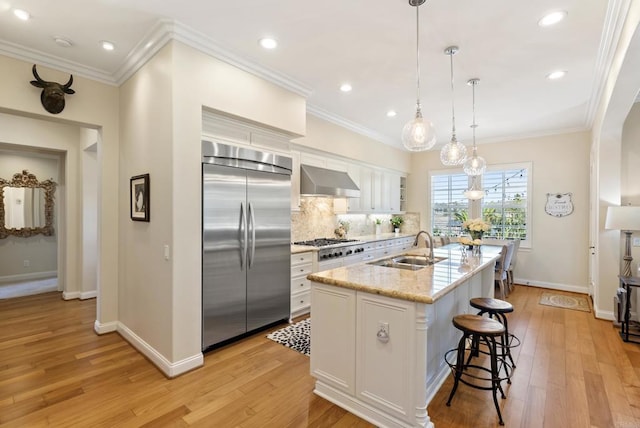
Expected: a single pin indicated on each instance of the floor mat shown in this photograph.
(296, 336)
(577, 303)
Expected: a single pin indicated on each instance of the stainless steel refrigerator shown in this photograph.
(246, 241)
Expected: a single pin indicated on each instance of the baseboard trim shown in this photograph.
(103, 328)
(69, 295)
(28, 276)
(88, 295)
(167, 367)
(552, 286)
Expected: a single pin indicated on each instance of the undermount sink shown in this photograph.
(409, 262)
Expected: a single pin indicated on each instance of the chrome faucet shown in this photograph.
(415, 244)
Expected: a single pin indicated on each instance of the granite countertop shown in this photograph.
(295, 249)
(425, 285)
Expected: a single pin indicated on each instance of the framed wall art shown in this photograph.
(139, 197)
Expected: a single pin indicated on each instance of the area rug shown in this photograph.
(296, 336)
(577, 303)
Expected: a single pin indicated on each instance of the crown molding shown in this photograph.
(37, 57)
(352, 126)
(614, 21)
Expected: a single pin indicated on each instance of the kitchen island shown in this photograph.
(379, 333)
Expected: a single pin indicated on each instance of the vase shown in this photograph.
(476, 251)
(397, 231)
(378, 229)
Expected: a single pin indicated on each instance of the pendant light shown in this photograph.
(454, 152)
(475, 165)
(418, 134)
(474, 192)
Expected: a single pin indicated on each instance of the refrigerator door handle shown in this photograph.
(252, 227)
(243, 237)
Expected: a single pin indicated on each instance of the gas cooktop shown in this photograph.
(323, 242)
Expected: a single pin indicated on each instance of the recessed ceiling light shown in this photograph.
(552, 18)
(22, 14)
(345, 87)
(391, 113)
(107, 46)
(61, 41)
(555, 75)
(268, 43)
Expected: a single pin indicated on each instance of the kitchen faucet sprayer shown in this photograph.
(415, 244)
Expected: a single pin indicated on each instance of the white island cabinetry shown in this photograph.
(378, 347)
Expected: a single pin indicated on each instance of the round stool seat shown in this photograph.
(478, 324)
(488, 304)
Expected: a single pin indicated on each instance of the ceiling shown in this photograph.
(369, 43)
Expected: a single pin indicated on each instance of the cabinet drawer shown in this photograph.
(301, 270)
(301, 258)
(300, 300)
(299, 284)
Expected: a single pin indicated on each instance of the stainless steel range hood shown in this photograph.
(315, 181)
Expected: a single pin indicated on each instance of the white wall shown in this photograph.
(89, 188)
(41, 251)
(558, 257)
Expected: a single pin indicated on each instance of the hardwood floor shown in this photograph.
(572, 371)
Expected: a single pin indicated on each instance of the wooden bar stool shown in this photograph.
(477, 329)
(497, 309)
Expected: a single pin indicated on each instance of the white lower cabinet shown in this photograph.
(362, 345)
(333, 337)
(385, 352)
(301, 266)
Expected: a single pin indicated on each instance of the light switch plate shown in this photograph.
(636, 242)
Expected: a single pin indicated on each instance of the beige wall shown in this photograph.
(161, 110)
(94, 105)
(558, 257)
(630, 173)
(41, 251)
(331, 138)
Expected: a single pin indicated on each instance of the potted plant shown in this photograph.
(396, 221)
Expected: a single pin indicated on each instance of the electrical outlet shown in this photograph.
(26, 263)
(636, 242)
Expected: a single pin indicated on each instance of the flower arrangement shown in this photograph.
(396, 221)
(476, 228)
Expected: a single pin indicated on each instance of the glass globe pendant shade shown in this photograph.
(418, 134)
(475, 165)
(474, 194)
(453, 153)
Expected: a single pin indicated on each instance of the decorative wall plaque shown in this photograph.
(559, 204)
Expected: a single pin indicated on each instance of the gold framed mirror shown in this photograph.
(26, 206)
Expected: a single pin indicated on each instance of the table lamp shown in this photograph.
(626, 219)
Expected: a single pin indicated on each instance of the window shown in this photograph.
(506, 205)
(449, 207)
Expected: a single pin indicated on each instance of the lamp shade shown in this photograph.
(623, 218)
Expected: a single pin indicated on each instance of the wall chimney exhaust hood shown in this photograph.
(315, 181)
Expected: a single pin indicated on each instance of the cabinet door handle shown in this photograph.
(383, 336)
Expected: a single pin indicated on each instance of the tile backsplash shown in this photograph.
(317, 219)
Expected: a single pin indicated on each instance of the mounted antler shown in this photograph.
(52, 96)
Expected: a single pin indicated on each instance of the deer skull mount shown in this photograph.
(52, 96)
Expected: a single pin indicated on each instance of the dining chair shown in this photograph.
(445, 240)
(512, 265)
(500, 275)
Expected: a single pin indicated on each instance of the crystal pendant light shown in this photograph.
(418, 134)
(475, 165)
(474, 193)
(454, 152)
